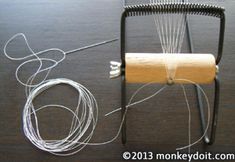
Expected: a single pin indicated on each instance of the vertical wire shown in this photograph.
(189, 117)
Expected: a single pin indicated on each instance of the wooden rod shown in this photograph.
(155, 67)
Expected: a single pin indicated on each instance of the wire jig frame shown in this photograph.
(184, 8)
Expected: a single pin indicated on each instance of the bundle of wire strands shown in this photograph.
(82, 126)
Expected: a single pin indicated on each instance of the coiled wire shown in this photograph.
(184, 8)
(82, 126)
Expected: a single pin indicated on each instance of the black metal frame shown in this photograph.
(198, 9)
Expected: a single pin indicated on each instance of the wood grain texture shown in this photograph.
(159, 125)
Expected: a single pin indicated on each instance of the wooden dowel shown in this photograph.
(154, 67)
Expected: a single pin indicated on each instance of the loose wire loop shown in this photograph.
(82, 126)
